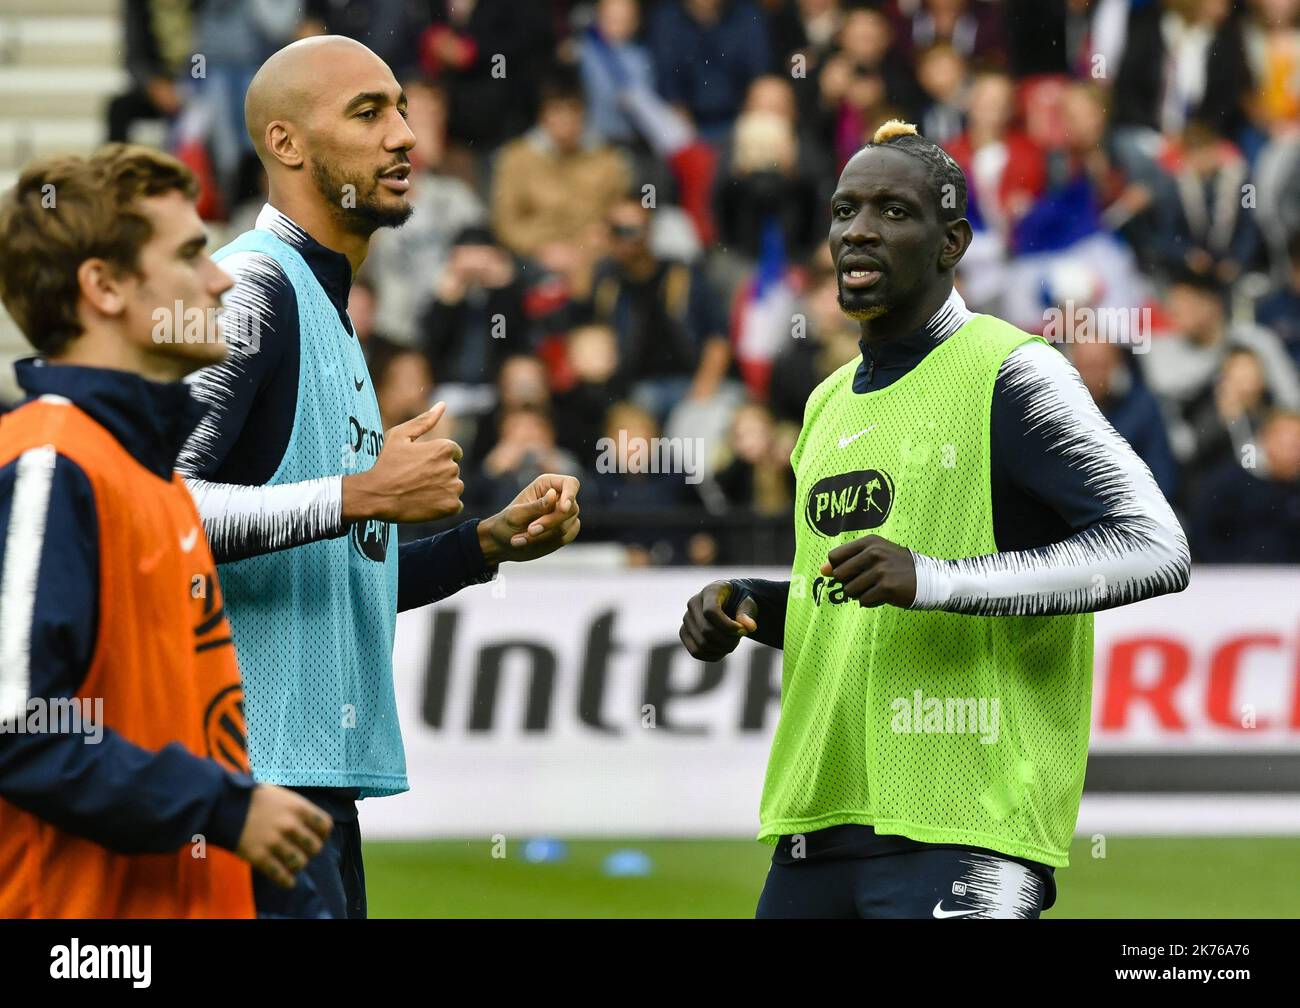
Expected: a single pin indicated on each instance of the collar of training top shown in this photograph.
(150, 419)
(950, 317)
(330, 268)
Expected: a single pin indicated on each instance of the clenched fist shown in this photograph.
(412, 480)
(874, 571)
(707, 631)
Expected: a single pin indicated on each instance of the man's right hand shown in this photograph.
(412, 480)
(282, 833)
(707, 631)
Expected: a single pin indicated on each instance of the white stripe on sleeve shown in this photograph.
(23, 547)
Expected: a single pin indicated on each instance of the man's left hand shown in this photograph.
(874, 571)
(539, 521)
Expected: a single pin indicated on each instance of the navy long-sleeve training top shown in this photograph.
(253, 398)
(1071, 499)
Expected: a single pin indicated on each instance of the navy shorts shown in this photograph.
(938, 882)
(333, 883)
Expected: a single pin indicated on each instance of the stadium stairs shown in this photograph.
(60, 62)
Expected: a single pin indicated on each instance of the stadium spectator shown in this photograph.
(1182, 60)
(636, 475)
(476, 319)
(1279, 310)
(361, 313)
(803, 35)
(757, 478)
(1203, 217)
(491, 55)
(158, 46)
(974, 30)
(1226, 418)
(861, 79)
(1129, 406)
(706, 52)
(1005, 170)
(231, 39)
(521, 381)
(525, 449)
(1271, 38)
(1272, 141)
(763, 182)
(1181, 367)
(616, 24)
(592, 357)
(1068, 23)
(830, 340)
(403, 386)
(390, 28)
(1251, 515)
(407, 262)
(794, 26)
(768, 167)
(671, 336)
(941, 72)
(1083, 156)
(553, 187)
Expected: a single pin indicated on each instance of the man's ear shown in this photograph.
(957, 237)
(102, 287)
(282, 143)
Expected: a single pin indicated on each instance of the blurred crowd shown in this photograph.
(621, 212)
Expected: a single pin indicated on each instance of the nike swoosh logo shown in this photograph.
(941, 913)
(188, 542)
(846, 441)
(360, 384)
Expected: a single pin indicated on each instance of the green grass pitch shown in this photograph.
(1140, 877)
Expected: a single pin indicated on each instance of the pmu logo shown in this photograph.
(223, 729)
(849, 502)
(371, 539)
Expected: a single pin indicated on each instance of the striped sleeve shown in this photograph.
(1134, 549)
(252, 401)
(26, 516)
(247, 521)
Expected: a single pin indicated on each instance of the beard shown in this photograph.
(863, 313)
(368, 214)
(857, 308)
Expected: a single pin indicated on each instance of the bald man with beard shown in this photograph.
(298, 485)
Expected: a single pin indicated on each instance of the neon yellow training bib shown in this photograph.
(931, 725)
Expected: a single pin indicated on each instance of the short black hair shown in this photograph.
(942, 172)
(561, 84)
(1183, 275)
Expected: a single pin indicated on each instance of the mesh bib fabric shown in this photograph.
(314, 625)
(940, 727)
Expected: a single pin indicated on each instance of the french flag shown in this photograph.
(764, 315)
